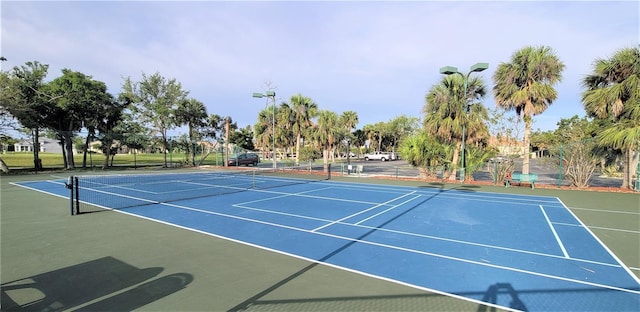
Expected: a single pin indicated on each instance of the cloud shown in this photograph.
(376, 58)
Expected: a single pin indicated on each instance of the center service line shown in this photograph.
(553, 229)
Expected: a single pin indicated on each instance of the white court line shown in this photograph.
(363, 211)
(387, 210)
(553, 229)
(636, 278)
(599, 228)
(455, 241)
(349, 239)
(364, 242)
(602, 210)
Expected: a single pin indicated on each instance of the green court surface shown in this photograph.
(112, 261)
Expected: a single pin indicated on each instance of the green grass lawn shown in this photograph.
(52, 160)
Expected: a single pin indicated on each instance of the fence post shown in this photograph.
(560, 170)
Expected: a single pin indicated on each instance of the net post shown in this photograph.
(77, 189)
(69, 185)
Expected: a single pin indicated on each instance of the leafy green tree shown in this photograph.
(243, 138)
(402, 126)
(359, 139)
(578, 154)
(78, 98)
(131, 134)
(446, 115)
(613, 93)
(525, 85)
(155, 100)
(23, 94)
(109, 115)
(192, 113)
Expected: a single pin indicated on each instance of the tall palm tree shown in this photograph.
(193, 113)
(284, 126)
(349, 120)
(446, 114)
(263, 130)
(613, 93)
(326, 133)
(304, 109)
(525, 85)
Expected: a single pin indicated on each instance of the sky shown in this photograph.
(376, 58)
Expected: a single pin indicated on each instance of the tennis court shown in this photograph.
(521, 252)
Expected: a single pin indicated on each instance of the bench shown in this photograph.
(520, 178)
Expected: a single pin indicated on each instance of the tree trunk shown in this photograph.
(85, 150)
(628, 169)
(527, 142)
(298, 149)
(69, 146)
(634, 172)
(166, 149)
(325, 158)
(63, 146)
(37, 163)
(107, 153)
(454, 162)
(3, 166)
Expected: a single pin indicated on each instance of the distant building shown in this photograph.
(508, 147)
(46, 146)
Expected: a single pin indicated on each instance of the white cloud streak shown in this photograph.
(376, 58)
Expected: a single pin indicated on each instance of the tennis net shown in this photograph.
(93, 193)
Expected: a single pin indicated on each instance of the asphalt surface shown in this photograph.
(546, 170)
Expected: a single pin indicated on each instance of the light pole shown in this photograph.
(272, 95)
(451, 70)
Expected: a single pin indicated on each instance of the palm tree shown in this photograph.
(425, 152)
(304, 109)
(193, 113)
(263, 130)
(613, 93)
(284, 126)
(526, 86)
(446, 114)
(326, 134)
(349, 120)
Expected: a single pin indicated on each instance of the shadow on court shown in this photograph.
(254, 300)
(84, 286)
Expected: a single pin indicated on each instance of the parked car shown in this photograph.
(244, 160)
(384, 156)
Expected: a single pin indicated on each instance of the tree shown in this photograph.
(131, 134)
(613, 93)
(525, 85)
(425, 152)
(78, 98)
(243, 138)
(578, 151)
(155, 99)
(349, 120)
(24, 97)
(445, 113)
(326, 134)
(303, 110)
(193, 113)
(107, 118)
(402, 126)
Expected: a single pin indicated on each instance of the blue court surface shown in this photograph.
(517, 252)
